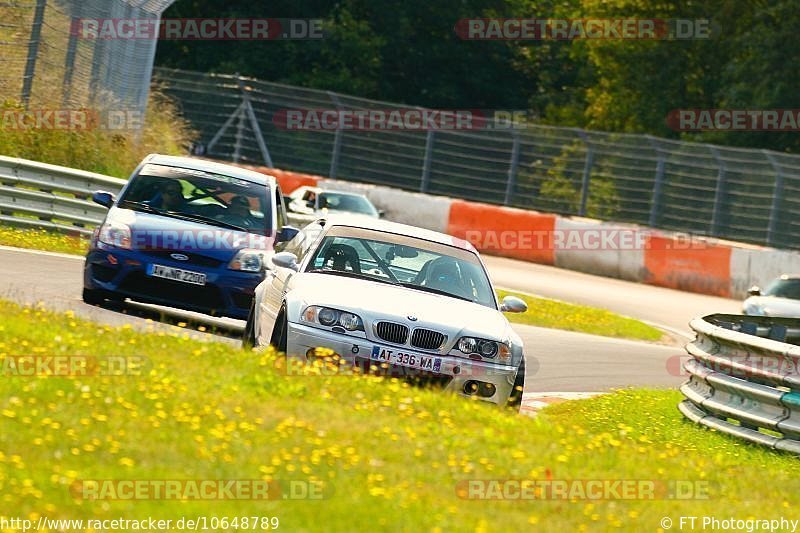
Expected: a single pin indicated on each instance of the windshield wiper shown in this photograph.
(349, 274)
(434, 291)
(201, 218)
(143, 206)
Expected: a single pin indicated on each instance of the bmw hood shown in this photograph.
(152, 232)
(374, 301)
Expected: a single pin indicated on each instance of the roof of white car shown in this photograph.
(364, 222)
(324, 190)
(205, 165)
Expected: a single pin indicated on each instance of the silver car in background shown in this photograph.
(306, 204)
(781, 298)
(390, 296)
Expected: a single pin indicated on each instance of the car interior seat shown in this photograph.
(340, 256)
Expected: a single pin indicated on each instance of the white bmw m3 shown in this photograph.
(380, 294)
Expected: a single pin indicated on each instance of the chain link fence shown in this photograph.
(46, 62)
(739, 194)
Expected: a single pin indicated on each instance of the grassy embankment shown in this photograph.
(386, 454)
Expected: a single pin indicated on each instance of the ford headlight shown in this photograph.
(325, 316)
(115, 234)
(248, 260)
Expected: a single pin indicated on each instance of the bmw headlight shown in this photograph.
(485, 348)
(248, 260)
(325, 316)
(115, 234)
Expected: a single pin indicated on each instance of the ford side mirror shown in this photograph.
(512, 304)
(106, 199)
(755, 290)
(286, 260)
(287, 234)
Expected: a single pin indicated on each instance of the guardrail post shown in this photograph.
(237, 146)
(33, 51)
(425, 179)
(248, 107)
(777, 194)
(337, 140)
(513, 166)
(719, 195)
(587, 172)
(220, 132)
(658, 184)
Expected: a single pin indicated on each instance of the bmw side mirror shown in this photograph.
(755, 290)
(512, 304)
(286, 260)
(287, 234)
(106, 199)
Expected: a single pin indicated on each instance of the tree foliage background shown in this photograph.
(408, 52)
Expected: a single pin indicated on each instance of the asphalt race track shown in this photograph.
(558, 361)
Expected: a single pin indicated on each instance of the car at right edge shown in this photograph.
(410, 300)
(781, 298)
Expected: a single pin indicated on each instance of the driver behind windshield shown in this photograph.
(239, 212)
(169, 197)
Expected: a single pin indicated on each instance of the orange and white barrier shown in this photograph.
(666, 259)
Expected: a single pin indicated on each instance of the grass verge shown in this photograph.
(39, 239)
(386, 454)
(549, 313)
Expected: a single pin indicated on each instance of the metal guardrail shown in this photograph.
(744, 378)
(58, 198)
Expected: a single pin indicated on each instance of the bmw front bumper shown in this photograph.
(466, 377)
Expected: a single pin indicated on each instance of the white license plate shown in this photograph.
(394, 356)
(176, 274)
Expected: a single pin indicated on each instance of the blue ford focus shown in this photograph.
(186, 233)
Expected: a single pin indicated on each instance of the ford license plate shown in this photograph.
(176, 274)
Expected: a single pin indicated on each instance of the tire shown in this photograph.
(92, 297)
(515, 399)
(279, 331)
(249, 336)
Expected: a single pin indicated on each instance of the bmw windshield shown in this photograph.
(409, 262)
